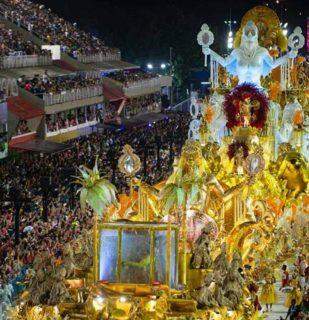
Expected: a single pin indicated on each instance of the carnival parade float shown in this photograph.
(236, 200)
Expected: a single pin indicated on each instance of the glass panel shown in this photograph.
(174, 262)
(160, 256)
(108, 255)
(135, 256)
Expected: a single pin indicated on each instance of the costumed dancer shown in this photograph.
(285, 277)
(294, 293)
(268, 294)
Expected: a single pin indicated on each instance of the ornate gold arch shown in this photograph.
(268, 23)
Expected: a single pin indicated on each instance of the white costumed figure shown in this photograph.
(217, 126)
(285, 133)
(250, 61)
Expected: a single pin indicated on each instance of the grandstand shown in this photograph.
(67, 80)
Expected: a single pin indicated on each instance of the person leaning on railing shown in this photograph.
(62, 89)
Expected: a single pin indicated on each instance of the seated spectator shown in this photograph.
(13, 43)
(22, 127)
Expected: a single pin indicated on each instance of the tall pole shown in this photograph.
(171, 74)
(145, 160)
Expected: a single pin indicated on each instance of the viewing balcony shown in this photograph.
(73, 95)
(141, 87)
(99, 57)
(53, 103)
(24, 61)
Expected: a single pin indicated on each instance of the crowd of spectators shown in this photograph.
(107, 114)
(40, 85)
(143, 104)
(72, 118)
(22, 127)
(21, 178)
(111, 113)
(12, 43)
(53, 29)
(131, 77)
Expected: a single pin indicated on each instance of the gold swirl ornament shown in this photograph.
(129, 163)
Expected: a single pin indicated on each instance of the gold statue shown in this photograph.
(294, 170)
(201, 254)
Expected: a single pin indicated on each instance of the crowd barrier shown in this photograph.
(11, 62)
(99, 57)
(68, 96)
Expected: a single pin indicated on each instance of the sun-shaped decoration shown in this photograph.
(205, 37)
(129, 163)
(268, 24)
(296, 39)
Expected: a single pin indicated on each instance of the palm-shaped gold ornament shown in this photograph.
(98, 193)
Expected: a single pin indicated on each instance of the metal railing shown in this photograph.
(11, 62)
(183, 106)
(73, 95)
(99, 57)
(145, 86)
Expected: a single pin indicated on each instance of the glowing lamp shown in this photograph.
(98, 303)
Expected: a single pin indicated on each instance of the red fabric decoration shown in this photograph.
(241, 113)
(235, 146)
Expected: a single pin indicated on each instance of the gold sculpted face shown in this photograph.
(192, 152)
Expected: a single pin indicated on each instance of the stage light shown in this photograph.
(285, 25)
(285, 32)
(149, 66)
(230, 33)
(163, 66)
(122, 299)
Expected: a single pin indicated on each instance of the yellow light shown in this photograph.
(122, 299)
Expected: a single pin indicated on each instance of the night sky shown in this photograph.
(146, 29)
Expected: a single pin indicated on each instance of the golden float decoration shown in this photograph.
(268, 24)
